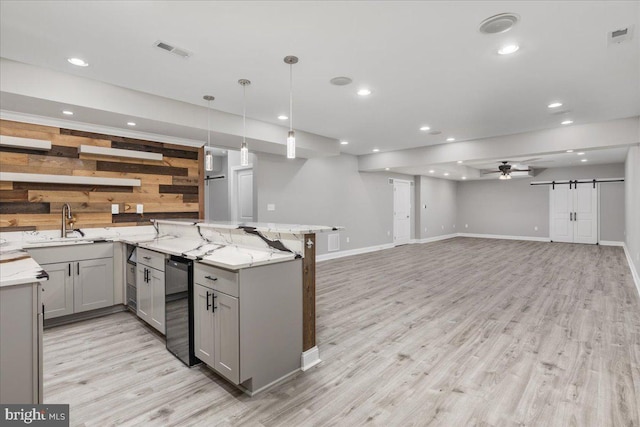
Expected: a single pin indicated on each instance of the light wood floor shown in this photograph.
(452, 333)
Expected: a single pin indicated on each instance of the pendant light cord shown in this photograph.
(244, 113)
(290, 97)
(208, 124)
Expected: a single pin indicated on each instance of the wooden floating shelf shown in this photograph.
(118, 152)
(68, 179)
(26, 143)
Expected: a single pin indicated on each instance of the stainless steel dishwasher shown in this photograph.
(179, 309)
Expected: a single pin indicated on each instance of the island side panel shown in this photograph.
(309, 293)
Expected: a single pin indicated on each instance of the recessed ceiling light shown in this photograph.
(581, 153)
(508, 49)
(131, 124)
(386, 169)
(283, 117)
(459, 161)
(431, 171)
(499, 23)
(569, 151)
(555, 105)
(446, 174)
(567, 122)
(583, 160)
(464, 177)
(77, 61)
(375, 150)
(450, 139)
(344, 142)
(425, 128)
(364, 92)
(67, 113)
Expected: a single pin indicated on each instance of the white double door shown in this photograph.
(574, 213)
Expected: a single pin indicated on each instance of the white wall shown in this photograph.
(328, 191)
(436, 209)
(515, 208)
(632, 197)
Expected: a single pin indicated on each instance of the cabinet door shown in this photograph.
(227, 338)
(157, 319)
(58, 290)
(203, 325)
(143, 293)
(93, 284)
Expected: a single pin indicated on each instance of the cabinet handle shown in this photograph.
(69, 265)
(42, 313)
(575, 216)
(146, 275)
(147, 257)
(211, 278)
(78, 268)
(213, 300)
(208, 305)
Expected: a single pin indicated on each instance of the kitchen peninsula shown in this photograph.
(245, 265)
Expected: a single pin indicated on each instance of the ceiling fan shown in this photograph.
(505, 170)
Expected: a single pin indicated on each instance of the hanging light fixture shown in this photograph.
(208, 157)
(291, 136)
(244, 151)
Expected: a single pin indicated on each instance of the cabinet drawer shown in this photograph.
(151, 259)
(216, 278)
(131, 275)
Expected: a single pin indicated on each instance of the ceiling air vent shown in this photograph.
(620, 35)
(182, 53)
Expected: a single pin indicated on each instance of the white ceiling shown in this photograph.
(426, 62)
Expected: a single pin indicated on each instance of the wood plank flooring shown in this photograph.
(452, 333)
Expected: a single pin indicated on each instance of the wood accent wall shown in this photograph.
(171, 188)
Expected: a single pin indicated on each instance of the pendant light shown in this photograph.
(291, 136)
(208, 158)
(244, 151)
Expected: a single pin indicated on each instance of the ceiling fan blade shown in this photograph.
(487, 173)
(521, 170)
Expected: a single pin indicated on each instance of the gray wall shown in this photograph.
(515, 208)
(217, 192)
(436, 209)
(632, 197)
(328, 191)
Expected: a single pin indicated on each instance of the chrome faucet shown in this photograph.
(66, 208)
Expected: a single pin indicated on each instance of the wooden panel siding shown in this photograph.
(169, 188)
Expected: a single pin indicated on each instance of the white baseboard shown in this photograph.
(340, 254)
(499, 236)
(310, 358)
(634, 272)
(610, 243)
(435, 238)
(271, 384)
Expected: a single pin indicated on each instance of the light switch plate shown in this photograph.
(115, 208)
(271, 206)
(139, 209)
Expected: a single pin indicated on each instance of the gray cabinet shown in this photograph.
(21, 344)
(216, 331)
(248, 323)
(81, 278)
(150, 288)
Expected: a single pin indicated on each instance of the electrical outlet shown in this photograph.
(535, 228)
(115, 208)
(442, 226)
(347, 239)
(454, 226)
(139, 209)
(466, 226)
(271, 206)
(425, 206)
(388, 233)
(425, 229)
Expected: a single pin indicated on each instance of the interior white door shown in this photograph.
(585, 213)
(244, 194)
(561, 208)
(401, 212)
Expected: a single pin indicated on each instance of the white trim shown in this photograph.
(610, 243)
(435, 238)
(271, 384)
(118, 152)
(634, 272)
(310, 358)
(67, 179)
(341, 254)
(88, 127)
(498, 236)
(27, 143)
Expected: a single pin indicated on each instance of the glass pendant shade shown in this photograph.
(208, 162)
(291, 145)
(503, 176)
(244, 155)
